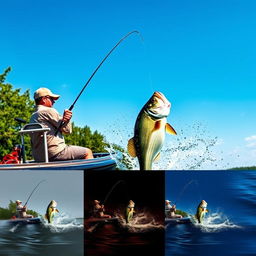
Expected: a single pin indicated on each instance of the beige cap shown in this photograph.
(18, 201)
(45, 92)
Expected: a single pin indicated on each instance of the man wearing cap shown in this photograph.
(98, 210)
(170, 210)
(167, 207)
(48, 117)
(21, 210)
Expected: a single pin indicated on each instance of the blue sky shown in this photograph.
(200, 54)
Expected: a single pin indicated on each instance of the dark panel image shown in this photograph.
(210, 213)
(124, 213)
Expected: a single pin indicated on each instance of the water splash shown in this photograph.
(140, 223)
(215, 222)
(14, 228)
(63, 223)
(192, 149)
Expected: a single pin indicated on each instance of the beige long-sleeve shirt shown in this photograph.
(48, 117)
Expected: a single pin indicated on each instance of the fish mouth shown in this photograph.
(160, 96)
(155, 115)
(161, 111)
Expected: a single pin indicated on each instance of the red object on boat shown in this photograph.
(13, 158)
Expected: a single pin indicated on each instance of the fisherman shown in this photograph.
(46, 115)
(170, 210)
(167, 207)
(21, 210)
(98, 210)
(173, 212)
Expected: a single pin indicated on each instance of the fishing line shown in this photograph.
(33, 192)
(148, 69)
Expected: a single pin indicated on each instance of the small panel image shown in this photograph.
(210, 213)
(124, 213)
(41, 213)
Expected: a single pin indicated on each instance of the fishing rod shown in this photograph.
(110, 191)
(33, 192)
(88, 81)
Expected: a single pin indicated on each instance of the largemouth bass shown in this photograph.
(201, 211)
(129, 211)
(149, 131)
(51, 211)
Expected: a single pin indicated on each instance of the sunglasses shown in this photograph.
(49, 97)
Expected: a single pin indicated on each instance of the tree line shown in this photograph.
(10, 211)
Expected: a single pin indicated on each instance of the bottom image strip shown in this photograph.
(123, 213)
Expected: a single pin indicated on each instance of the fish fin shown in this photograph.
(157, 157)
(169, 129)
(131, 148)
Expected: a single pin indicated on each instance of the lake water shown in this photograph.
(64, 237)
(229, 227)
(140, 238)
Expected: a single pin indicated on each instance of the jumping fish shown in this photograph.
(129, 211)
(51, 211)
(149, 131)
(201, 211)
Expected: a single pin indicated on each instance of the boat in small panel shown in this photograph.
(183, 220)
(35, 220)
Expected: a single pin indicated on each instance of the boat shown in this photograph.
(101, 161)
(183, 220)
(92, 223)
(35, 220)
(93, 220)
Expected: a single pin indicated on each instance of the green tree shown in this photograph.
(12, 104)
(83, 136)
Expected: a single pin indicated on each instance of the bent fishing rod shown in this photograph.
(110, 191)
(33, 191)
(88, 81)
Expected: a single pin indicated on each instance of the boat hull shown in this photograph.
(101, 161)
(25, 221)
(101, 220)
(183, 220)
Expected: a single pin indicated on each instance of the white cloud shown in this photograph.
(251, 138)
(251, 141)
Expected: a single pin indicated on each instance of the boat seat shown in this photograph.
(35, 128)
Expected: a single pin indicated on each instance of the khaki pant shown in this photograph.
(71, 153)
